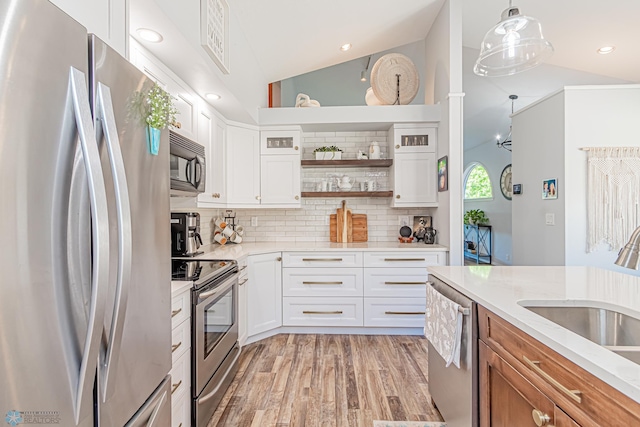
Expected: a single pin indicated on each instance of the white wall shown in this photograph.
(605, 116)
(443, 50)
(497, 209)
(341, 85)
(538, 153)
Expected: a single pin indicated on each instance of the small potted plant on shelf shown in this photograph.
(475, 217)
(328, 153)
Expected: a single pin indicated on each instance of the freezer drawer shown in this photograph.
(156, 411)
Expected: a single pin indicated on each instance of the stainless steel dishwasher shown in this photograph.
(455, 391)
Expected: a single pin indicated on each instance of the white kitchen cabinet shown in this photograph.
(280, 167)
(315, 282)
(395, 287)
(264, 288)
(243, 166)
(108, 19)
(414, 167)
(322, 311)
(212, 133)
(243, 286)
(181, 358)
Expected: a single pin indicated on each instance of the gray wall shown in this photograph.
(340, 84)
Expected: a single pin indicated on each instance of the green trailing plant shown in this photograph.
(160, 109)
(326, 149)
(475, 216)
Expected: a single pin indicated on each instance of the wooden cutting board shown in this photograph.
(344, 224)
(359, 230)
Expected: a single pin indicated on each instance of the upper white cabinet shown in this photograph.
(280, 167)
(107, 19)
(212, 133)
(243, 166)
(414, 167)
(185, 100)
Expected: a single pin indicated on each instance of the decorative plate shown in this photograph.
(384, 81)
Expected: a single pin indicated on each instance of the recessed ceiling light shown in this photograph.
(345, 47)
(149, 35)
(606, 49)
(213, 96)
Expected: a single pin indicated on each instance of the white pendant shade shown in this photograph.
(516, 44)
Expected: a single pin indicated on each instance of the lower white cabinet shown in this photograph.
(395, 282)
(319, 282)
(264, 288)
(181, 359)
(243, 286)
(394, 312)
(322, 311)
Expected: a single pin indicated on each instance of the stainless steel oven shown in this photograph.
(214, 331)
(186, 166)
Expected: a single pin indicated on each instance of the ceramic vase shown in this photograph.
(153, 140)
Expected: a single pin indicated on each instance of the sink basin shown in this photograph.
(611, 329)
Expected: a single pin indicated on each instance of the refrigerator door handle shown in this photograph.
(123, 208)
(155, 408)
(100, 242)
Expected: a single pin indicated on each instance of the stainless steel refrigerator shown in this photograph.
(85, 286)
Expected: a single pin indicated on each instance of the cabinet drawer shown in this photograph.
(322, 259)
(181, 411)
(299, 282)
(322, 311)
(181, 378)
(180, 308)
(404, 259)
(557, 377)
(180, 340)
(395, 282)
(394, 312)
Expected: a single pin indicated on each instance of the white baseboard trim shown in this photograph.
(333, 331)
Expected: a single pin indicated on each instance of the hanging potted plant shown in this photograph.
(155, 109)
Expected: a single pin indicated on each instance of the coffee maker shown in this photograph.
(185, 234)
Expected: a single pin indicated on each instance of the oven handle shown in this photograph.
(215, 390)
(204, 297)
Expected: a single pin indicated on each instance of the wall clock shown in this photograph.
(505, 182)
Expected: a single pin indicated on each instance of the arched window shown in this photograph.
(477, 184)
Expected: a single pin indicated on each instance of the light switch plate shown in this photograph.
(254, 221)
(550, 219)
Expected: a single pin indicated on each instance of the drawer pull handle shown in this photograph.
(405, 259)
(242, 268)
(322, 283)
(180, 425)
(175, 386)
(404, 312)
(322, 312)
(405, 283)
(533, 364)
(322, 259)
(174, 313)
(540, 418)
(243, 282)
(175, 346)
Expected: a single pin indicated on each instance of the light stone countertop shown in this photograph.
(179, 286)
(235, 252)
(501, 289)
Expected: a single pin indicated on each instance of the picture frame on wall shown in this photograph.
(443, 174)
(550, 189)
(214, 31)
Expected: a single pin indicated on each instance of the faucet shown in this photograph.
(628, 255)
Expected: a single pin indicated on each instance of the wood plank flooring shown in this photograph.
(328, 380)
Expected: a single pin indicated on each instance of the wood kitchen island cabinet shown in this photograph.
(524, 383)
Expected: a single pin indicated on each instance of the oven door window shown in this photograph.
(219, 317)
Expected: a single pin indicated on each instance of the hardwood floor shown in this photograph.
(328, 380)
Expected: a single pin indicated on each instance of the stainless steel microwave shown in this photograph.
(186, 166)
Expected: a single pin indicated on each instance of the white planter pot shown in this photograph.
(329, 155)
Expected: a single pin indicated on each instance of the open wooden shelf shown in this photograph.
(347, 194)
(382, 163)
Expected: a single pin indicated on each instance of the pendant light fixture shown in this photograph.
(506, 144)
(515, 44)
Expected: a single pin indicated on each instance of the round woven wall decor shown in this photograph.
(384, 80)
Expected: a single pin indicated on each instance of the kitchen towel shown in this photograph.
(443, 326)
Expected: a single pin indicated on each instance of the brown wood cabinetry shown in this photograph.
(520, 375)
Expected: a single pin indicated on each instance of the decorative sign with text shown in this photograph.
(214, 31)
